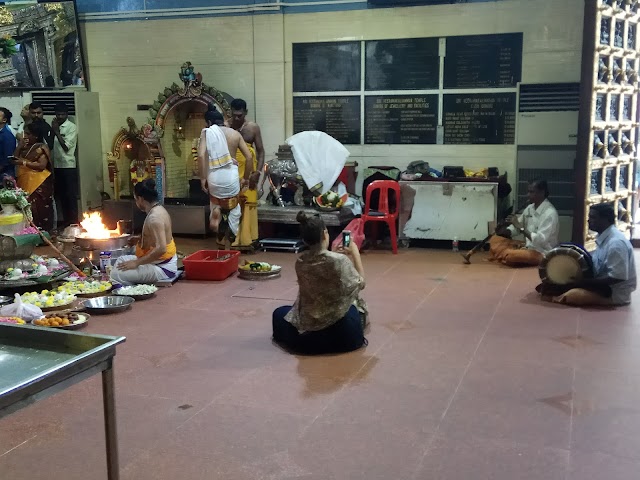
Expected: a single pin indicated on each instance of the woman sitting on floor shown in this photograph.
(325, 317)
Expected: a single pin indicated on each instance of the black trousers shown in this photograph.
(345, 335)
(66, 194)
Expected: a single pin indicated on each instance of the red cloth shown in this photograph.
(356, 227)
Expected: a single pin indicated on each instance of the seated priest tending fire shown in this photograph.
(155, 259)
(538, 224)
(614, 269)
(219, 173)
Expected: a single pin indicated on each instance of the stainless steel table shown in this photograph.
(39, 362)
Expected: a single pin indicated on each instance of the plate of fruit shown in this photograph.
(12, 320)
(86, 288)
(330, 201)
(48, 301)
(66, 321)
(258, 270)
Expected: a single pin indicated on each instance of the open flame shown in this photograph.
(94, 227)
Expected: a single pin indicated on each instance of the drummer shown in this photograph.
(614, 269)
(538, 224)
(155, 259)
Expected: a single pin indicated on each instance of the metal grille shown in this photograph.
(561, 187)
(49, 100)
(550, 97)
(608, 132)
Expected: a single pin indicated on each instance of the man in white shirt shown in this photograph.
(65, 140)
(614, 269)
(538, 223)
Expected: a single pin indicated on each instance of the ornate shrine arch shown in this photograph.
(192, 89)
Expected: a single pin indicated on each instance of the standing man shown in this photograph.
(219, 173)
(65, 136)
(7, 144)
(36, 113)
(250, 131)
(539, 225)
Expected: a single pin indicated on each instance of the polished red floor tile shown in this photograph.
(467, 375)
(473, 457)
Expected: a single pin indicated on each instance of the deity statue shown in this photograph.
(192, 81)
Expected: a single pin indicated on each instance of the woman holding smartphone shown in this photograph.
(33, 161)
(328, 316)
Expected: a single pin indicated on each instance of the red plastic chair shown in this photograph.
(384, 213)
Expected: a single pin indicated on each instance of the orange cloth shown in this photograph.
(511, 252)
(29, 179)
(248, 231)
(171, 251)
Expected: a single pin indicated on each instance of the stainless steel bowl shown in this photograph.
(5, 300)
(103, 244)
(109, 304)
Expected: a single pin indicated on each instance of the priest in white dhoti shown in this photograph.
(219, 171)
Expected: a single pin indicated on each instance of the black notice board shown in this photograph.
(336, 116)
(407, 64)
(479, 118)
(326, 67)
(400, 119)
(483, 61)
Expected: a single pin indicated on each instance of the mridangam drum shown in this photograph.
(565, 264)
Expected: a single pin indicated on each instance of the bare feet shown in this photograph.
(214, 219)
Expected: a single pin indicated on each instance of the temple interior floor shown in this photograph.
(467, 375)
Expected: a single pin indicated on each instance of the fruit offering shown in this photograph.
(258, 266)
(85, 287)
(57, 320)
(48, 299)
(331, 200)
(137, 290)
(13, 320)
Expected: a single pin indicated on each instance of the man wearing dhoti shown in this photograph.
(219, 175)
(249, 196)
(538, 224)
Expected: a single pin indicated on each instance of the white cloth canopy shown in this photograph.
(319, 157)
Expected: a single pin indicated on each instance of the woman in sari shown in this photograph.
(33, 161)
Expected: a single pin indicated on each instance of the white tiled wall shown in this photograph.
(250, 57)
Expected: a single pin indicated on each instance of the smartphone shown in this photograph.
(346, 238)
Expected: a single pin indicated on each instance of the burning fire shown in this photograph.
(94, 227)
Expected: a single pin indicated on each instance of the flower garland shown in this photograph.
(10, 194)
(7, 46)
(138, 174)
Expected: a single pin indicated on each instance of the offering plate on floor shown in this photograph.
(258, 271)
(65, 321)
(110, 304)
(137, 292)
